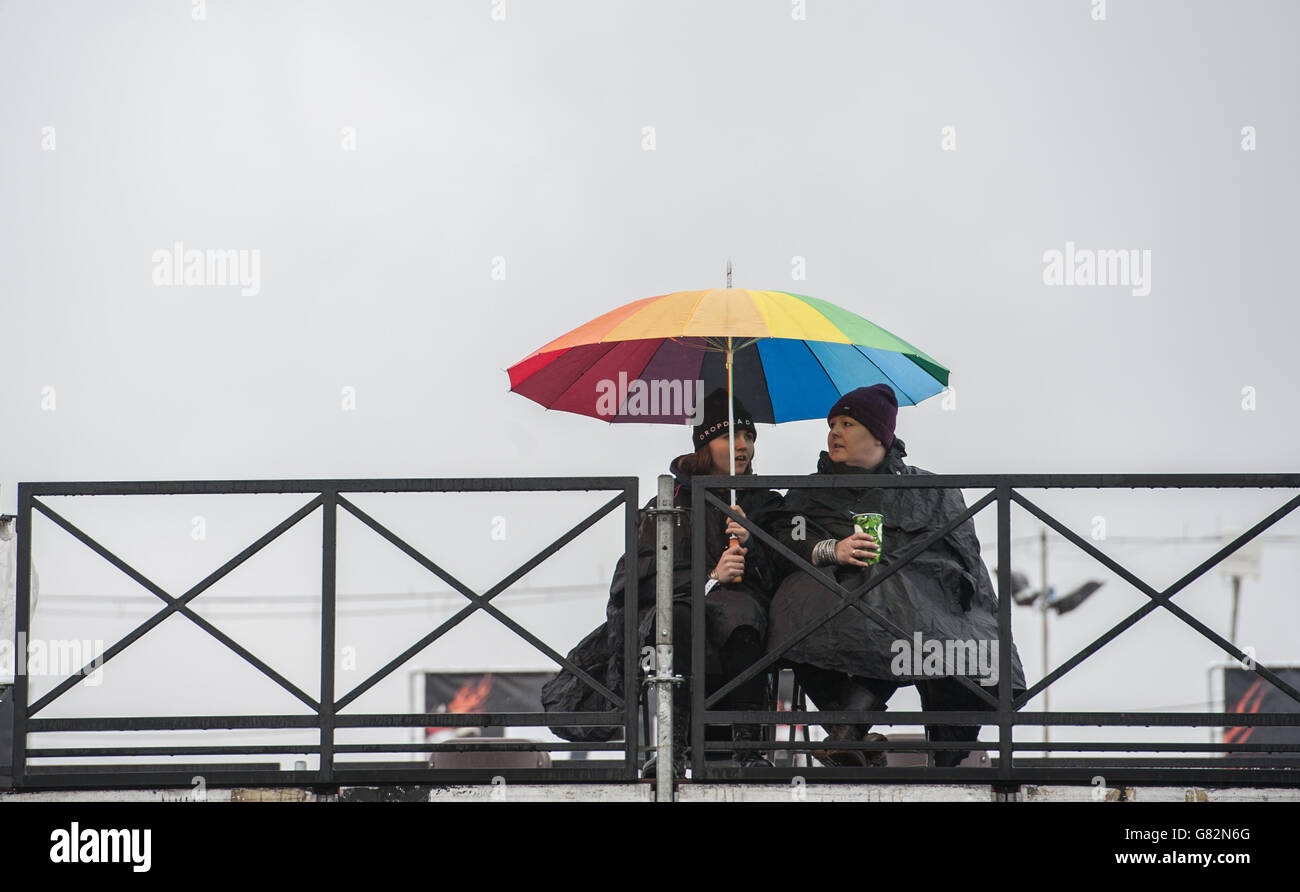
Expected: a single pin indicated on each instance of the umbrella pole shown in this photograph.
(731, 419)
(731, 431)
(731, 404)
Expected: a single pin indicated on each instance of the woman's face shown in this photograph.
(719, 446)
(850, 443)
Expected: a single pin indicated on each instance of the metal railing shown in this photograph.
(1005, 711)
(327, 712)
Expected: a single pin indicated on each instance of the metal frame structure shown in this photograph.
(1005, 710)
(327, 714)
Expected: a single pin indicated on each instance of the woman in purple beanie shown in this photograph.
(944, 594)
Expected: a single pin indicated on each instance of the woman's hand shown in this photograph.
(736, 530)
(855, 549)
(731, 566)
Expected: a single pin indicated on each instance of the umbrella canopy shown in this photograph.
(794, 355)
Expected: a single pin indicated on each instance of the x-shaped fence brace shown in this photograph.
(328, 500)
(1158, 599)
(175, 605)
(480, 602)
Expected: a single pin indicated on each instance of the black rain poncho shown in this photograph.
(944, 595)
(727, 607)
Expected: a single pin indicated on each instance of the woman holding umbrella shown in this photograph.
(741, 578)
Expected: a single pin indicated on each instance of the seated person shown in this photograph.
(853, 662)
(739, 590)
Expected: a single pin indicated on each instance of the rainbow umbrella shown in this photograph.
(785, 356)
(654, 359)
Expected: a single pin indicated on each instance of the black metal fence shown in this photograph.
(1005, 711)
(327, 714)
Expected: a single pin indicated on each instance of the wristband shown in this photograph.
(824, 553)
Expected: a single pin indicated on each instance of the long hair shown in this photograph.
(700, 463)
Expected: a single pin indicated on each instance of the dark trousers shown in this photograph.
(741, 649)
(831, 690)
(949, 693)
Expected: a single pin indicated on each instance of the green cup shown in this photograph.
(873, 524)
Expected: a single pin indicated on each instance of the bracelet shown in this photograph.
(824, 553)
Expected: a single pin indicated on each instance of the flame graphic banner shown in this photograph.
(481, 692)
(1247, 693)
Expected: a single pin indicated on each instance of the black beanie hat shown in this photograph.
(874, 407)
(714, 423)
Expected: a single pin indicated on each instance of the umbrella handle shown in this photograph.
(731, 424)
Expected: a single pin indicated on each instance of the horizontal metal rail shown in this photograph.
(356, 720)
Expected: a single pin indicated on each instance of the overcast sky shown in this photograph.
(434, 190)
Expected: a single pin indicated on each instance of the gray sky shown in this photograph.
(381, 157)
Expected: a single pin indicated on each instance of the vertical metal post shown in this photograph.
(1004, 631)
(22, 633)
(631, 625)
(699, 568)
(664, 638)
(329, 542)
(1236, 599)
(1047, 666)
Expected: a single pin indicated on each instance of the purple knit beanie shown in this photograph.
(874, 407)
